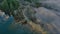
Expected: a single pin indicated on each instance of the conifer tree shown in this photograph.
(8, 6)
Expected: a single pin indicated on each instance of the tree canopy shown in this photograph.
(19, 8)
(9, 6)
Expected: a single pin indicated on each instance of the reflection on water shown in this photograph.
(15, 28)
(4, 24)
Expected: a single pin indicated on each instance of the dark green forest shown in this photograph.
(18, 8)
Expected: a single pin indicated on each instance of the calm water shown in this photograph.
(4, 24)
(19, 28)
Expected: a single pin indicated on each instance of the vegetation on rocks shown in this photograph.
(21, 10)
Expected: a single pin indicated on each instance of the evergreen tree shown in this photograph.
(8, 6)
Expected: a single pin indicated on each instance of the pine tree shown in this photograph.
(8, 6)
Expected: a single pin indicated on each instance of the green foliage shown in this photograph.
(32, 1)
(9, 5)
(4, 5)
